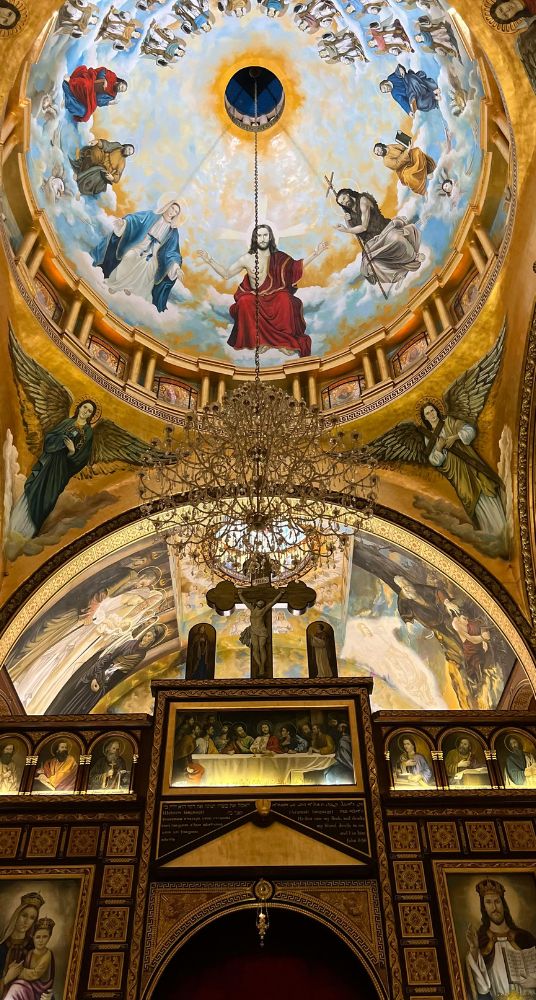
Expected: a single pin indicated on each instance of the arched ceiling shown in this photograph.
(187, 149)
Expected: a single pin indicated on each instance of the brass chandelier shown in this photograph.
(259, 486)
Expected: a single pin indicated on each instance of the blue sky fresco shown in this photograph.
(187, 148)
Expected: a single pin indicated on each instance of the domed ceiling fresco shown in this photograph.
(129, 125)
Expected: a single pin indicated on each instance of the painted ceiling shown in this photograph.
(186, 149)
(75, 600)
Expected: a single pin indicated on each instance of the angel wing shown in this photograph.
(467, 395)
(526, 45)
(402, 443)
(115, 447)
(51, 402)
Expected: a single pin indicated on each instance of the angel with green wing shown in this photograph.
(70, 444)
(444, 439)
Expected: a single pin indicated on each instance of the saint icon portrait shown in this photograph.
(321, 653)
(281, 321)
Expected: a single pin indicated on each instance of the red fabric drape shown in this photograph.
(281, 322)
(82, 86)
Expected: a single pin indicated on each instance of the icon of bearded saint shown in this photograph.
(444, 440)
(79, 445)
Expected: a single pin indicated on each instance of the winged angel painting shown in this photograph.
(444, 439)
(72, 440)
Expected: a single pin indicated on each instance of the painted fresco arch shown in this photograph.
(381, 625)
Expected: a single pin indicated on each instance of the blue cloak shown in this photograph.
(54, 468)
(111, 250)
(415, 86)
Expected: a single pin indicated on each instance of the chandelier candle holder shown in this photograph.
(259, 487)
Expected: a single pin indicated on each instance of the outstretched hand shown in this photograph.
(204, 254)
(321, 248)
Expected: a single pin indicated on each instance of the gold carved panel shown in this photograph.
(415, 920)
(404, 837)
(443, 837)
(482, 835)
(409, 877)
(83, 841)
(520, 835)
(106, 970)
(421, 966)
(9, 841)
(117, 880)
(112, 923)
(43, 842)
(122, 841)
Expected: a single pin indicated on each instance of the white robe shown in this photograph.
(136, 271)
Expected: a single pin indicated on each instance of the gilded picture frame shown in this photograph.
(514, 881)
(253, 715)
(68, 910)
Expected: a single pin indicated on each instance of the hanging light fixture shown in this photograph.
(259, 485)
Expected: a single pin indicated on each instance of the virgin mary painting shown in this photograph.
(16, 939)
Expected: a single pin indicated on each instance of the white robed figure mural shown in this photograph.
(141, 256)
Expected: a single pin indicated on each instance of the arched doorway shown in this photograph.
(300, 958)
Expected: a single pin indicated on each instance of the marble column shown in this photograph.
(429, 323)
(442, 312)
(86, 327)
(502, 145)
(370, 381)
(72, 315)
(383, 365)
(135, 365)
(312, 390)
(7, 126)
(36, 261)
(149, 373)
(485, 241)
(220, 392)
(26, 245)
(478, 257)
(204, 395)
(8, 148)
(296, 388)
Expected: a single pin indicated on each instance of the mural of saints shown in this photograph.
(73, 440)
(444, 440)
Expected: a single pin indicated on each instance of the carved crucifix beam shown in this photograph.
(296, 597)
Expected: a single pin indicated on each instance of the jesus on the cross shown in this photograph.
(281, 320)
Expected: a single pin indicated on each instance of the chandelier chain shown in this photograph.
(256, 225)
(272, 489)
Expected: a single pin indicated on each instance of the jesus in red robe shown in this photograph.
(281, 321)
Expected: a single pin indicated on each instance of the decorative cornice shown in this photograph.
(526, 469)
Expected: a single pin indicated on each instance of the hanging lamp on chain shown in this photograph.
(259, 484)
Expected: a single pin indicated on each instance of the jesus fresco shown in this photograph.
(281, 321)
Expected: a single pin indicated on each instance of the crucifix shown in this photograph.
(260, 599)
